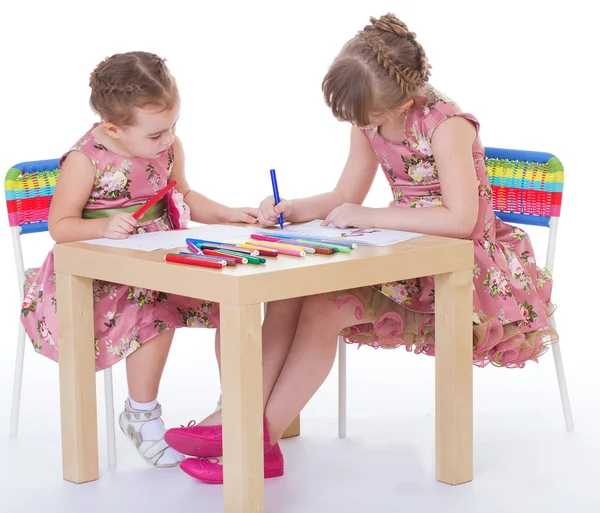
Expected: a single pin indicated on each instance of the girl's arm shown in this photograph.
(352, 187)
(452, 144)
(71, 194)
(202, 209)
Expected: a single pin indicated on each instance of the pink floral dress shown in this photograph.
(124, 316)
(511, 295)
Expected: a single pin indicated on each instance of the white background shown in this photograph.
(249, 75)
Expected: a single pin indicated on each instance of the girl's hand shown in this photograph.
(349, 215)
(268, 212)
(119, 226)
(243, 215)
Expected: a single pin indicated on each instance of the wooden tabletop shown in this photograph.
(281, 277)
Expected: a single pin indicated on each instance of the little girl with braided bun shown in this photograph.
(431, 155)
(116, 167)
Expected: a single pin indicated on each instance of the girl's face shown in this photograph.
(390, 117)
(379, 119)
(152, 134)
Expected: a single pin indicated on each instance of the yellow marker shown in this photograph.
(282, 245)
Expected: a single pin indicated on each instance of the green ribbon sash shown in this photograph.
(154, 212)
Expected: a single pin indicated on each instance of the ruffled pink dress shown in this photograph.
(124, 317)
(511, 294)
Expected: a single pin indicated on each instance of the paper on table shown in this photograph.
(365, 237)
(152, 241)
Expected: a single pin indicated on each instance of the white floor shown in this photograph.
(525, 460)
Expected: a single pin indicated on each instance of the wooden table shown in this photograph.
(240, 290)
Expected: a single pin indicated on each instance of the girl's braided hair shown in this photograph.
(131, 80)
(379, 69)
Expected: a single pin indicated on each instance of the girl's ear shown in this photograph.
(403, 107)
(111, 129)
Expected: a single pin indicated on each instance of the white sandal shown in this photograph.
(131, 422)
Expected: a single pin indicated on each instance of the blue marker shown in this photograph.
(276, 195)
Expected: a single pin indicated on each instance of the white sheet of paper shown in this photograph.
(152, 241)
(367, 237)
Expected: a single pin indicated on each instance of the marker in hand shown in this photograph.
(276, 195)
(159, 195)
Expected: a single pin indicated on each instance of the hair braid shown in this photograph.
(390, 24)
(128, 80)
(379, 69)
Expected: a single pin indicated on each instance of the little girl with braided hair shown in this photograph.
(117, 166)
(431, 155)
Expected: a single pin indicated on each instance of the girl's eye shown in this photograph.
(155, 138)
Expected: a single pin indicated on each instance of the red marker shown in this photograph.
(192, 260)
(147, 205)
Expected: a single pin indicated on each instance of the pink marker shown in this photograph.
(266, 238)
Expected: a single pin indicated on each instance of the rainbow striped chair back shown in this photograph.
(527, 186)
(29, 187)
(527, 189)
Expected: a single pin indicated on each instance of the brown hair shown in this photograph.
(128, 80)
(379, 69)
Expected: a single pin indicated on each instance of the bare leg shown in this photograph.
(145, 367)
(144, 371)
(218, 349)
(279, 328)
(310, 358)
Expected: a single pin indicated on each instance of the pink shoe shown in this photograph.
(195, 440)
(209, 470)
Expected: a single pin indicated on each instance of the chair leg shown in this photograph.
(109, 405)
(341, 388)
(18, 382)
(562, 386)
(562, 382)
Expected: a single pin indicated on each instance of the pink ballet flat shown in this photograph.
(209, 470)
(195, 440)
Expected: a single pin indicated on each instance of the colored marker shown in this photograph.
(225, 245)
(312, 247)
(317, 246)
(341, 249)
(284, 243)
(195, 249)
(250, 259)
(223, 260)
(302, 236)
(276, 195)
(140, 213)
(240, 259)
(192, 260)
(266, 238)
(198, 252)
(261, 251)
(283, 250)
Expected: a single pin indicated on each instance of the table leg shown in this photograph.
(293, 429)
(76, 365)
(241, 381)
(454, 377)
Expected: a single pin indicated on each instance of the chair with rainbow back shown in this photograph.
(29, 187)
(527, 189)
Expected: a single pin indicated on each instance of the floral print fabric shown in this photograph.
(124, 317)
(511, 295)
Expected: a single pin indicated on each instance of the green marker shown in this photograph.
(251, 259)
(341, 249)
